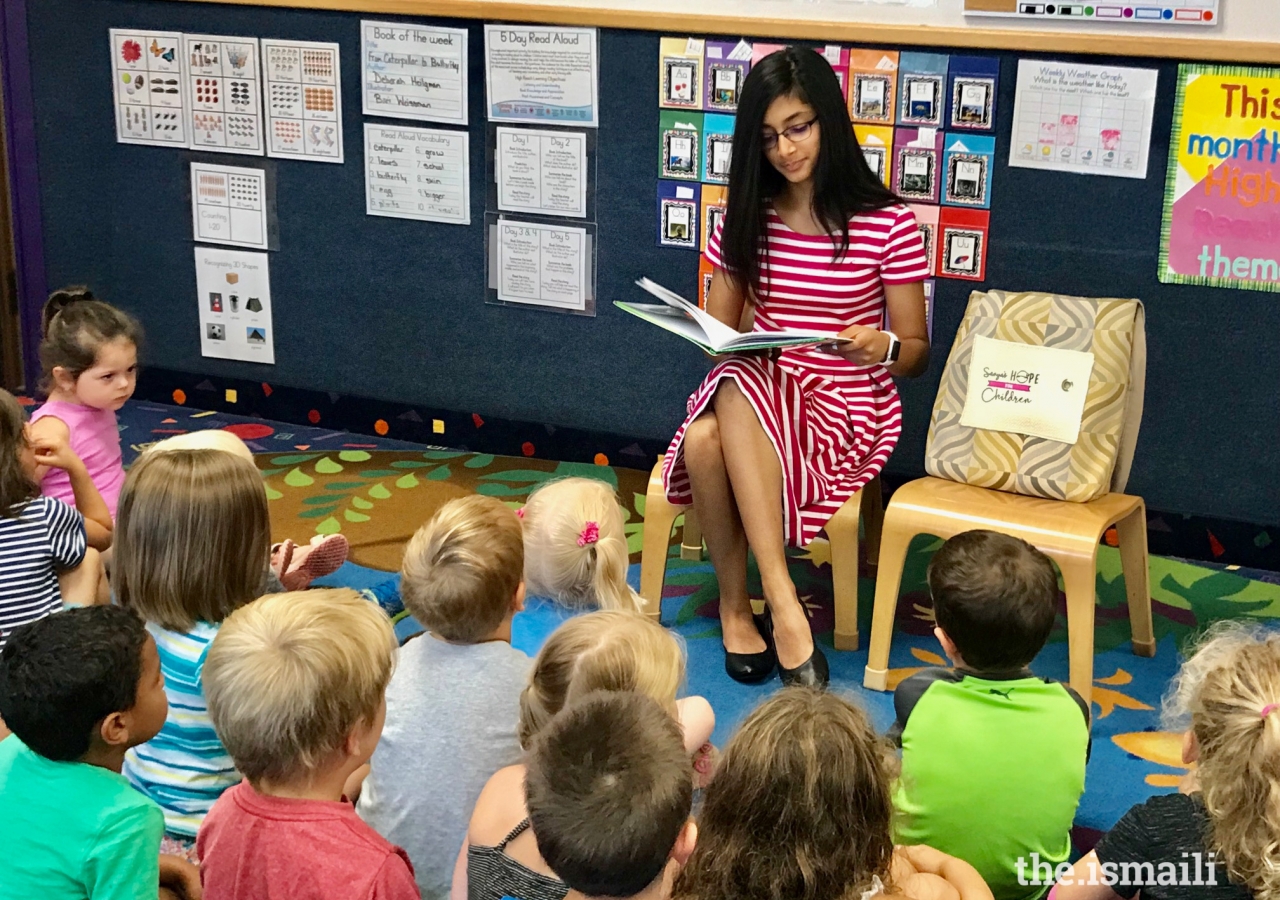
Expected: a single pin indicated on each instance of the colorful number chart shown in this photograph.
(303, 100)
(1152, 12)
(226, 93)
(149, 87)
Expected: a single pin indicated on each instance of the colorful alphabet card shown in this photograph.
(680, 73)
(873, 86)
(967, 164)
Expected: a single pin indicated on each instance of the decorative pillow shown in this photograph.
(1098, 462)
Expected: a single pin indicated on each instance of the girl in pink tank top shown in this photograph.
(90, 360)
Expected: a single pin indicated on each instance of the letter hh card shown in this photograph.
(680, 73)
(876, 142)
(717, 145)
(922, 88)
(714, 200)
(680, 145)
(971, 94)
(917, 162)
(966, 170)
(927, 223)
(873, 86)
(962, 243)
(724, 69)
(678, 214)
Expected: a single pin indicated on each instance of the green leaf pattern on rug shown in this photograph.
(353, 456)
(404, 482)
(299, 479)
(361, 503)
(327, 466)
(329, 526)
(379, 492)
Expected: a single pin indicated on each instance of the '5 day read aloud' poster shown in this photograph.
(1222, 192)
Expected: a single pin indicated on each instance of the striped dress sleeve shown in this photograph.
(904, 260)
(66, 533)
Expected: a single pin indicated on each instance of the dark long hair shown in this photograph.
(16, 486)
(843, 183)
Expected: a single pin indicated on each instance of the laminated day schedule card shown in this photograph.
(542, 172)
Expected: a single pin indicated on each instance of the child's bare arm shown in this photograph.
(956, 872)
(179, 877)
(459, 889)
(53, 451)
(697, 720)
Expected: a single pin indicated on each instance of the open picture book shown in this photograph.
(679, 316)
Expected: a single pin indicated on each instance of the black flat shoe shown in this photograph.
(753, 668)
(813, 672)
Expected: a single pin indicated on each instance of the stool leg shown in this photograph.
(659, 517)
(1132, 530)
(842, 532)
(1078, 581)
(895, 542)
(691, 542)
(872, 521)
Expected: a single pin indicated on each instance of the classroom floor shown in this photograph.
(377, 492)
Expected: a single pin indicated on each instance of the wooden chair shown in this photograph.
(1068, 532)
(660, 516)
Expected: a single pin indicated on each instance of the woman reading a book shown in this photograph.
(774, 445)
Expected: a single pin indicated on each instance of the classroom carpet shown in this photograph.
(378, 491)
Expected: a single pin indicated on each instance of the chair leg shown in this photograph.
(691, 542)
(842, 532)
(1132, 530)
(872, 521)
(896, 540)
(659, 517)
(1078, 581)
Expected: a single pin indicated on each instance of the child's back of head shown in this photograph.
(462, 570)
(1230, 691)
(17, 486)
(609, 794)
(192, 537)
(799, 806)
(601, 651)
(995, 596)
(576, 546)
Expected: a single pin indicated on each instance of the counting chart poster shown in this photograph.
(232, 205)
(303, 100)
(226, 93)
(149, 87)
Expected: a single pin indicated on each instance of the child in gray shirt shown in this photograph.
(454, 701)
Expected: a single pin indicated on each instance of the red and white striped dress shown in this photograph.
(832, 423)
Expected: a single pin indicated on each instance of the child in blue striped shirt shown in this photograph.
(191, 545)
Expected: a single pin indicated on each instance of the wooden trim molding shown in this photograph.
(1206, 49)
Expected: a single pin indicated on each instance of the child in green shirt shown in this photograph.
(993, 757)
(78, 689)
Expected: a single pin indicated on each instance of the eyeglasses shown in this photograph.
(795, 134)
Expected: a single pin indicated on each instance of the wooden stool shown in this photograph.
(842, 531)
(1066, 532)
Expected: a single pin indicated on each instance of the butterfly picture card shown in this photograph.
(968, 161)
(922, 88)
(149, 87)
(724, 70)
(876, 142)
(678, 214)
(962, 243)
(680, 145)
(680, 73)
(873, 86)
(917, 163)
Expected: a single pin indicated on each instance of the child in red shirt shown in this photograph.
(296, 685)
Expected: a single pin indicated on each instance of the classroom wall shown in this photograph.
(393, 309)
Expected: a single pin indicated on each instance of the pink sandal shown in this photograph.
(323, 556)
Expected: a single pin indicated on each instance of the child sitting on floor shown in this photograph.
(297, 691)
(79, 689)
(191, 547)
(608, 792)
(1215, 839)
(609, 651)
(46, 554)
(993, 758)
(576, 557)
(454, 701)
(90, 360)
(800, 808)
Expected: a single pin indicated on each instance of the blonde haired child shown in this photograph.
(297, 691)
(453, 704)
(601, 651)
(47, 554)
(90, 359)
(192, 538)
(1217, 837)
